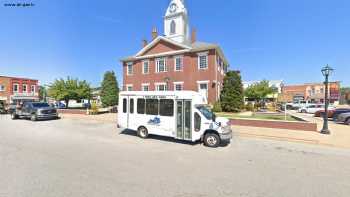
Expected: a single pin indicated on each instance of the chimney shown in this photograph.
(194, 35)
(154, 33)
(144, 43)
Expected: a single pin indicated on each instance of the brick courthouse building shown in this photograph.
(176, 61)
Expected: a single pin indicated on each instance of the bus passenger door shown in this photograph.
(183, 120)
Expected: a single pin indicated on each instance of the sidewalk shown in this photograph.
(339, 137)
(105, 118)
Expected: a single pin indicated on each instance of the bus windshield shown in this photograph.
(207, 113)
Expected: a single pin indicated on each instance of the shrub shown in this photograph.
(249, 107)
(217, 107)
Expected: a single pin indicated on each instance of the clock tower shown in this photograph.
(176, 26)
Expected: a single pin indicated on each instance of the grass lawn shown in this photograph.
(256, 116)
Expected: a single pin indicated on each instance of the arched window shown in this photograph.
(173, 27)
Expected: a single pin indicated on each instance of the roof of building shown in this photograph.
(21, 78)
(193, 47)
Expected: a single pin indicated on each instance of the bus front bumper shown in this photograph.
(226, 135)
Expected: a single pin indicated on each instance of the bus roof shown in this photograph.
(178, 94)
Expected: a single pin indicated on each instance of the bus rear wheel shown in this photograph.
(212, 140)
(142, 132)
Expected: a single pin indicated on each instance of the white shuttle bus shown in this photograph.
(179, 114)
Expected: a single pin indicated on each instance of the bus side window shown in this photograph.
(152, 106)
(124, 105)
(166, 107)
(141, 106)
(131, 106)
(197, 122)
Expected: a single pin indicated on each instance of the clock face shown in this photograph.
(173, 8)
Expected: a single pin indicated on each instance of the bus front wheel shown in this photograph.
(212, 140)
(142, 132)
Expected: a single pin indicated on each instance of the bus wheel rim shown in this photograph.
(211, 140)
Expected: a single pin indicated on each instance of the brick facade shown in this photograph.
(27, 89)
(190, 76)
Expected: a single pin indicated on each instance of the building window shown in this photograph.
(161, 87)
(145, 69)
(32, 88)
(130, 68)
(24, 88)
(129, 87)
(203, 60)
(178, 63)
(161, 65)
(2, 88)
(145, 87)
(178, 86)
(15, 87)
(172, 27)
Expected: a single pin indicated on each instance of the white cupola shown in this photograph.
(176, 26)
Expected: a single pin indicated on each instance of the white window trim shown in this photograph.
(32, 88)
(145, 85)
(207, 59)
(25, 85)
(143, 67)
(128, 86)
(127, 68)
(13, 87)
(201, 82)
(165, 65)
(2, 88)
(182, 63)
(178, 83)
(159, 84)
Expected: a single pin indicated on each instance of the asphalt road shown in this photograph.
(85, 158)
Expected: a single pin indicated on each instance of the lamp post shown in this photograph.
(326, 71)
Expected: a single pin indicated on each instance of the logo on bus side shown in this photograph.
(154, 121)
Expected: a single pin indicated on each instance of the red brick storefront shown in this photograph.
(15, 89)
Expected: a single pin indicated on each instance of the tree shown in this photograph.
(232, 92)
(42, 93)
(259, 91)
(69, 89)
(109, 89)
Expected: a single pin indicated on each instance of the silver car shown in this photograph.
(345, 118)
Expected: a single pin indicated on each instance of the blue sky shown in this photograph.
(265, 39)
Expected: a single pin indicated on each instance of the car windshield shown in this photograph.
(207, 113)
(39, 105)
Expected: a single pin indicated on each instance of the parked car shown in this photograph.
(313, 108)
(11, 108)
(338, 112)
(320, 113)
(35, 111)
(344, 117)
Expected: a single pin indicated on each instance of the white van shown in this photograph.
(179, 114)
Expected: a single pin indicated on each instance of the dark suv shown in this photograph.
(35, 111)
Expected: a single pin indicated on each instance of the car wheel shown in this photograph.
(14, 116)
(142, 132)
(33, 117)
(347, 121)
(212, 140)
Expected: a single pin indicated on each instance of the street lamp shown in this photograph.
(326, 71)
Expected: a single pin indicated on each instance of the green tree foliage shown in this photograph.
(259, 91)
(69, 89)
(232, 92)
(109, 89)
(42, 93)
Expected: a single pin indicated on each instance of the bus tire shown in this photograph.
(212, 140)
(142, 132)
